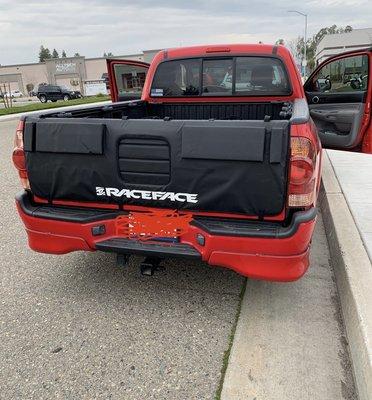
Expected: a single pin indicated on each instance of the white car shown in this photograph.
(13, 94)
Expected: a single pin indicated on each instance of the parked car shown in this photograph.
(193, 169)
(55, 92)
(13, 94)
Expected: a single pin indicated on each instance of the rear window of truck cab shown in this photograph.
(232, 76)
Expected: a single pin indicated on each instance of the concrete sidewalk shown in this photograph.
(290, 341)
(346, 212)
(293, 341)
(354, 175)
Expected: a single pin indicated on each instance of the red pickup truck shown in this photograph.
(219, 159)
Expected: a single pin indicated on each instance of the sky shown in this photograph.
(92, 27)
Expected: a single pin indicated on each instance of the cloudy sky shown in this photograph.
(92, 27)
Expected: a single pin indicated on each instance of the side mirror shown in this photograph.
(324, 84)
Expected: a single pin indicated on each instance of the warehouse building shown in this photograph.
(73, 72)
(338, 43)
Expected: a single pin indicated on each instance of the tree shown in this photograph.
(279, 41)
(55, 54)
(64, 54)
(109, 54)
(297, 46)
(76, 55)
(44, 54)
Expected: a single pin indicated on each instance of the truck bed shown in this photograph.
(183, 111)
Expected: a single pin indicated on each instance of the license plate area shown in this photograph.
(162, 225)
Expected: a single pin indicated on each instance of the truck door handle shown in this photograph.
(330, 116)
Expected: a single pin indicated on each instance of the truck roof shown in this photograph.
(224, 49)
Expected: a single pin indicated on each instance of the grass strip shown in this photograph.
(47, 106)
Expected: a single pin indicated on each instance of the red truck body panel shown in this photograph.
(279, 257)
(276, 259)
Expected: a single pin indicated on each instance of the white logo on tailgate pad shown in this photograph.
(147, 195)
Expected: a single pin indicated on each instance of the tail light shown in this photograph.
(302, 176)
(18, 156)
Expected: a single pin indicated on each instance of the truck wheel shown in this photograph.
(43, 98)
(66, 97)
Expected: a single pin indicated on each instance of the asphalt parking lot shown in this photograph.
(79, 327)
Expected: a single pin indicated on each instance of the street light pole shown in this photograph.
(305, 38)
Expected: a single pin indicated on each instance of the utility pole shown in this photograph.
(305, 40)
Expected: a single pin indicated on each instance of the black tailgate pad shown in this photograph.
(219, 166)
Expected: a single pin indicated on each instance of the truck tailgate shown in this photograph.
(219, 166)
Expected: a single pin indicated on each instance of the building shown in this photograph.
(338, 43)
(72, 72)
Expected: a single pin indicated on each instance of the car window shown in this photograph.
(344, 75)
(177, 78)
(244, 76)
(261, 75)
(129, 78)
(217, 77)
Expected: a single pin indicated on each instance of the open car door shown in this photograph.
(339, 97)
(126, 79)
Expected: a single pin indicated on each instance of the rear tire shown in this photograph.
(43, 98)
(66, 97)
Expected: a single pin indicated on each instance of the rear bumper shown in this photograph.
(258, 250)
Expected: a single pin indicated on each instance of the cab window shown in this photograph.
(261, 75)
(348, 74)
(177, 78)
(218, 77)
(222, 76)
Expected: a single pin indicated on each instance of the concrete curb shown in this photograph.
(353, 272)
(253, 372)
